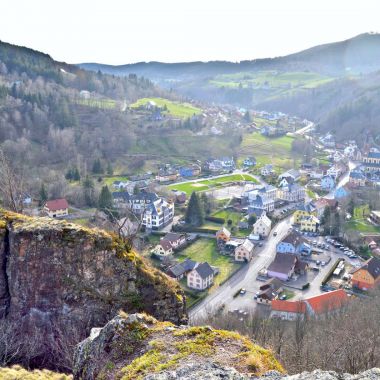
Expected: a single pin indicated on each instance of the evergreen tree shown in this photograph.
(43, 195)
(105, 202)
(206, 204)
(247, 117)
(76, 175)
(88, 190)
(97, 167)
(194, 213)
(109, 169)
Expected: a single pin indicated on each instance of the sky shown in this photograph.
(125, 31)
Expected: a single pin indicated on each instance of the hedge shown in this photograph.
(178, 228)
(215, 219)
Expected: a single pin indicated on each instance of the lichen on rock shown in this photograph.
(131, 347)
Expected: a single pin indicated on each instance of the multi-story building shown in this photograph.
(371, 162)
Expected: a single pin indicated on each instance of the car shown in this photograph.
(314, 242)
(318, 262)
(260, 244)
(354, 256)
(242, 291)
(274, 233)
(255, 297)
(283, 297)
(323, 263)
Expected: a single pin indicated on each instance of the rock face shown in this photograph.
(57, 276)
(137, 346)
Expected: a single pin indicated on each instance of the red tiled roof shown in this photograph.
(319, 304)
(289, 306)
(57, 204)
(328, 301)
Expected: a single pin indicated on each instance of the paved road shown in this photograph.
(245, 278)
(304, 130)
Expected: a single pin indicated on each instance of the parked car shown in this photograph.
(242, 291)
(318, 262)
(283, 297)
(323, 263)
(274, 233)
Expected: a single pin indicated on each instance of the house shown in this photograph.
(334, 171)
(325, 303)
(282, 267)
(288, 310)
(290, 192)
(167, 175)
(56, 208)
(244, 252)
(84, 94)
(259, 202)
(201, 277)
(262, 226)
(223, 234)
(371, 162)
(228, 163)
(158, 214)
(269, 191)
(180, 197)
(341, 192)
(214, 165)
(249, 161)
(375, 216)
(293, 243)
(269, 291)
(317, 174)
(327, 182)
(162, 249)
(305, 209)
(309, 223)
(137, 203)
(357, 178)
(321, 203)
(176, 240)
(293, 174)
(368, 275)
(190, 171)
(267, 170)
(120, 185)
(178, 271)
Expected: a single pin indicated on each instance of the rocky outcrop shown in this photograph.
(137, 346)
(212, 371)
(59, 277)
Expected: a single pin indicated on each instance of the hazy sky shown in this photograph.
(125, 31)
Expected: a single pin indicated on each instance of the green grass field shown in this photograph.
(110, 180)
(276, 150)
(359, 221)
(176, 109)
(205, 250)
(196, 186)
(271, 79)
(98, 103)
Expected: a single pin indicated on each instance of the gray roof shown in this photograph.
(372, 266)
(204, 270)
(181, 268)
(283, 263)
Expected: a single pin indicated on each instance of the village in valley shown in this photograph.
(286, 225)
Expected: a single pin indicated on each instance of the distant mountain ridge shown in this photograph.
(360, 54)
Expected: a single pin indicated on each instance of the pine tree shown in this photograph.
(43, 195)
(88, 190)
(76, 175)
(109, 169)
(247, 117)
(97, 167)
(105, 202)
(194, 213)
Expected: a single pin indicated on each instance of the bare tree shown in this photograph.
(11, 185)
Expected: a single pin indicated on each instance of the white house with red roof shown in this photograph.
(56, 208)
(317, 306)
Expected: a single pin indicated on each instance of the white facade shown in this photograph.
(195, 281)
(262, 226)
